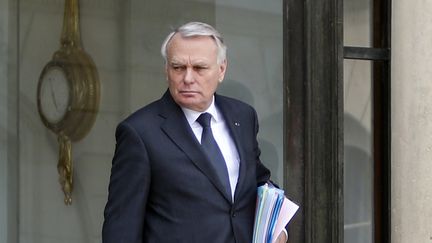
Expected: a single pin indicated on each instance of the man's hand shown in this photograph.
(282, 238)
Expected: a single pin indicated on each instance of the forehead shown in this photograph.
(195, 47)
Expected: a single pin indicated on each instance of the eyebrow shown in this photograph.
(197, 63)
(174, 61)
(202, 64)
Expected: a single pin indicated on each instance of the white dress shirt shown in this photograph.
(222, 136)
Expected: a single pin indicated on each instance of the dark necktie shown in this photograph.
(212, 150)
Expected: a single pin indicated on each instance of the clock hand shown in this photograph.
(52, 94)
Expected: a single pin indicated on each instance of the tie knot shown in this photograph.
(204, 119)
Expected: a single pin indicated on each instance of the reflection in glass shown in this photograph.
(358, 163)
(255, 68)
(124, 38)
(357, 23)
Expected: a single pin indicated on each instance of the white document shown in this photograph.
(287, 212)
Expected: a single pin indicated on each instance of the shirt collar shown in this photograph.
(192, 115)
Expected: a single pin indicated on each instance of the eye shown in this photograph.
(177, 67)
(199, 68)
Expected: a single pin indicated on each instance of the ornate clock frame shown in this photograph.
(84, 95)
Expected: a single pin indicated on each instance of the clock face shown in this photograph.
(54, 94)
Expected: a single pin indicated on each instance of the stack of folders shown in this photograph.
(272, 214)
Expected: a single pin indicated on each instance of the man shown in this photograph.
(169, 182)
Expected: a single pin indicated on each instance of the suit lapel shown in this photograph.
(234, 125)
(178, 129)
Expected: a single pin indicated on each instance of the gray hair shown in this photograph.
(192, 29)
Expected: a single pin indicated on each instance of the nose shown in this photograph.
(189, 76)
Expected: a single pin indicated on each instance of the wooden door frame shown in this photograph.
(313, 118)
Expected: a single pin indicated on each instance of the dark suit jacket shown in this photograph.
(162, 187)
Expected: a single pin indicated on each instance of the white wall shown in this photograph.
(411, 121)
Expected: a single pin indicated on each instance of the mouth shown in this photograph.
(188, 92)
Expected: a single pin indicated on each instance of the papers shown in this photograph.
(272, 214)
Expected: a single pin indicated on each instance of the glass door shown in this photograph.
(123, 38)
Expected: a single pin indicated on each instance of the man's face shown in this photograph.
(192, 71)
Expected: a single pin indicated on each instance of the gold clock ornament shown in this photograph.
(68, 95)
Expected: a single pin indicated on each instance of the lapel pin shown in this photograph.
(237, 124)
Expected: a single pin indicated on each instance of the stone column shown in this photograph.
(411, 172)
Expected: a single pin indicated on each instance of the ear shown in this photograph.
(222, 70)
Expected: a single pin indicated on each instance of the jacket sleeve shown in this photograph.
(262, 173)
(128, 189)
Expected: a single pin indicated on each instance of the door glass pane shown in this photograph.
(358, 163)
(123, 38)
(3, 119)
(357, 23)
(255, 68)
(8, 123)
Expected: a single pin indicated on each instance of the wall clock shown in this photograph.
(68, 94)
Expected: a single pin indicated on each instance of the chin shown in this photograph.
(194, 107)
